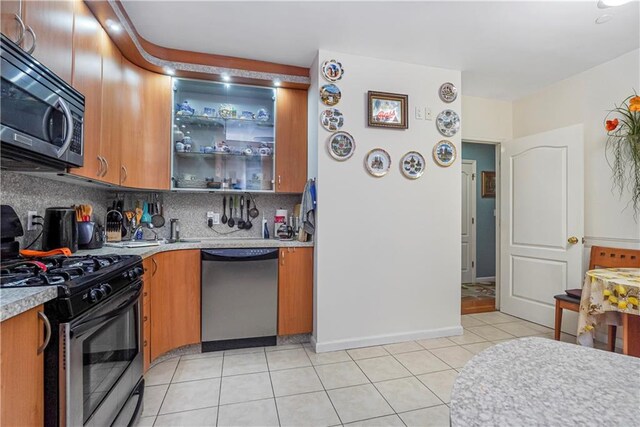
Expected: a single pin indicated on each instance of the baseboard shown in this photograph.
(345, 344)
(486, 279)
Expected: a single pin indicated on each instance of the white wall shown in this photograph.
(486, 119)
(585, 98)
(387, 249)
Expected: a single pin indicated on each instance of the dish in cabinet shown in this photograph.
(341, 145)
(332, 119)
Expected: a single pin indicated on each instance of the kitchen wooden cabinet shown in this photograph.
(112, 105)
(86, 77)
(291, 140)
(146, 136)
(295, 291)
(174, 300)
(11, 20)
(22, 369)
(50, 26)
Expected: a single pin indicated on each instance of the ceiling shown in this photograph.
(505, 49)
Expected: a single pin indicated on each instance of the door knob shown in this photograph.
(572, 240)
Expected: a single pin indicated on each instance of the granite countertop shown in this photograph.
(538, 381)
(199, 244)
(16, 301)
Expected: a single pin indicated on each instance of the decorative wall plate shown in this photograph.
(412, 165)
(332, 70)
(341, 146)
(444, 153)
(448, 92)
(377, 162)
(330, 94)
(448, 123)
(331, 119)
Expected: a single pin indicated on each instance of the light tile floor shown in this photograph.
(399, 384)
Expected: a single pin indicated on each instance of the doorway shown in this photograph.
(479, 227)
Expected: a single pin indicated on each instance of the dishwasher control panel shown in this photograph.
(239, 253)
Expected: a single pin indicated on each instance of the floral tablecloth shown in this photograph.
(606, 294)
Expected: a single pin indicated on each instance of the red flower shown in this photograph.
(611, 125)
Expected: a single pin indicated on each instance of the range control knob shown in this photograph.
(95, 295)
(138, 271)
(106, 289)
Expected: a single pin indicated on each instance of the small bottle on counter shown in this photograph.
(265, 228)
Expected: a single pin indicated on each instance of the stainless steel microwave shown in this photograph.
(41, 115)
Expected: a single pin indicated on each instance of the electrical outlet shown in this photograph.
(213, 218)
(419, 114)
(427, 113)
(210, 214)
(30, 215)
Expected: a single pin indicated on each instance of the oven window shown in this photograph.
(106, 354)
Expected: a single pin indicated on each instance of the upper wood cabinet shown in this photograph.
(146, 137)
(86, 77)
(112, 105)
(291, 140)
(22, 370)
(175, 300)
(50, 27)
(295, 291)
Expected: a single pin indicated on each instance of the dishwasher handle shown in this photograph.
(240, 254)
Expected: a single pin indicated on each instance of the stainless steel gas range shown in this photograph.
(93, 362)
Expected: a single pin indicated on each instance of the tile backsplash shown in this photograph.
(25, 193)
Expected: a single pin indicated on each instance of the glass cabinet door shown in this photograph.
(223, 136)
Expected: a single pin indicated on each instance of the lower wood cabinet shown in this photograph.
(173, 283)
(295, 291)
(22, 369)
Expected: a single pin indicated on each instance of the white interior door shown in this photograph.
(468, 221)
(542, 209)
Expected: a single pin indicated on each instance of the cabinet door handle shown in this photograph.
(145, 318)
(279, 180)
(124, 170)
(22, 29)
(282, 260)
(47, 328)
(106, 166)
(155, 267)
(35, 40)
(101, 167)
(145, 343)
(145, 294)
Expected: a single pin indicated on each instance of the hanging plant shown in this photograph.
(623, 148)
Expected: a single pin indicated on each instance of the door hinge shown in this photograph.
(473, 264)
(473, 176)
(473, 221)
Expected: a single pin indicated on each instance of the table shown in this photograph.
(611, 296)
(541, 382)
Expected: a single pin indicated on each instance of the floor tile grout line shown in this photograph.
(273, 392)
(220, 390)
(326, 392)
(166, 391)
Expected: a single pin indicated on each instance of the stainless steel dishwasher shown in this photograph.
(239, 298)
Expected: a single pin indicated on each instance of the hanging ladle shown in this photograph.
(224, 210)
(241, 223)
(231, 221)
(248, 224)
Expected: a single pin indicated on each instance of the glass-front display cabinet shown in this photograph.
(223, 136)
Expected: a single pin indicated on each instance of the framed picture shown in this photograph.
(387, 110)
(488, 184)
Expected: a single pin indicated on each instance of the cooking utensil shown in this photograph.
(248, 224)
(241, 222)
(231, 221)
(138, 215)
(224, 210)
(157, 221)
(253, 212)
(146, 218)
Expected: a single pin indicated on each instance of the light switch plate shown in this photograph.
(216, 218)
(419, 113)
(427, 113)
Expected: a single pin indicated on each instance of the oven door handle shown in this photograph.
(81, 328)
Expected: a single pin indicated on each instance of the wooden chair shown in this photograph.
(601, 257)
